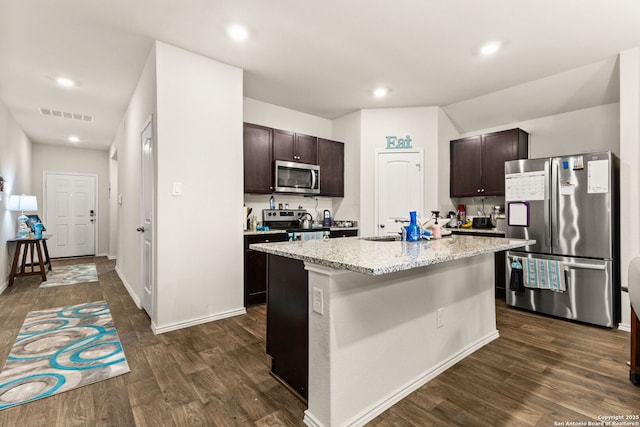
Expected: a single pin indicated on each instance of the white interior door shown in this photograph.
(146, 229)
(70, 214)
(399, 188)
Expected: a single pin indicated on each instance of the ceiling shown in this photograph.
(323, 58)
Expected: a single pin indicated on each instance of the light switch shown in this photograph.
(177, 189)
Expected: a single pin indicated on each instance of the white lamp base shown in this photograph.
(23, 229)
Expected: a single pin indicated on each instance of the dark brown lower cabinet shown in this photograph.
(342, 233)
(255, 268)
(288, 323)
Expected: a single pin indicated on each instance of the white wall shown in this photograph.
(15, 168)
(582, 131)
(446, 132)
(629, 162)
(274, 116)
(347, 129)
(421, 124)
(53, 158)
(199, 144)
(127, 144)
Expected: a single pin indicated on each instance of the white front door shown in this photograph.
(399, 188)
(70, 214)
(146, 140)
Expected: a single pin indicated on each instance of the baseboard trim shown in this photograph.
(4, 286)
(197, 321)
(111, 257)
(624, 327)
(393, 398)
(132, 294)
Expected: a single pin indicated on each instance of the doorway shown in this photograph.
(146, 229)
(70, 213)
(399, 188)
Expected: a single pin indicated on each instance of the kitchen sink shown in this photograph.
(389, 238)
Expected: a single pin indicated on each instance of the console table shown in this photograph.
(28, 246)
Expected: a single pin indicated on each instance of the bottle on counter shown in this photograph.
(254, 223)
(436, 231)
(272, 203)
(413, 229)
(462, 214)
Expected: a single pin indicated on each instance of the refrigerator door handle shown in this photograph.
(554, 208)
(584, 266)
(568, 265)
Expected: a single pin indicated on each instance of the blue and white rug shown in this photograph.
(61, 349)
(70, 274)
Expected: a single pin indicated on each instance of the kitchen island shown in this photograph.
(384, 317)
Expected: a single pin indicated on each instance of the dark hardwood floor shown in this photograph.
(539, 372)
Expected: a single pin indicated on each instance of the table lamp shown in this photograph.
(22, 203)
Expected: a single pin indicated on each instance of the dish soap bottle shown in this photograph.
(272, 203)
(413, 229)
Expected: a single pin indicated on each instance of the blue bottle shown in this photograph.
(413, 230)
(38, 228)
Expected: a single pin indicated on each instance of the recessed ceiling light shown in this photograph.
(74, 139)
(380, 92)
(65, 82)
(238, 33)
(490, 48)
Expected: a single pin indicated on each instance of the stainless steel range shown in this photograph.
(290, 220)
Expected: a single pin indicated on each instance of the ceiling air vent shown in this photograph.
(66, 115)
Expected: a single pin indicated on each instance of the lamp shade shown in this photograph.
(22, 202)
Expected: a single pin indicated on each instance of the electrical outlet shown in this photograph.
(318, 301)
(440, 317)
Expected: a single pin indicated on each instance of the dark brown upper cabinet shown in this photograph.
(258, 159)
(294, 147)
(477, 162)
(331, 162)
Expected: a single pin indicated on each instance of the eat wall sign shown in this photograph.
(393, 142)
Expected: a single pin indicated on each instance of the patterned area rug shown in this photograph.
(61, 349)
(70, 274)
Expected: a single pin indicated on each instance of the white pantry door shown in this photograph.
(146, 141)
(70, 214)
(399, 188)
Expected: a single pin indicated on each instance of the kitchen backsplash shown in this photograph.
(473, 205)
(314, 205)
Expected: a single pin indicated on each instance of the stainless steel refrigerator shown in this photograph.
(570, 206)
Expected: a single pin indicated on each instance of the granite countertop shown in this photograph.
(476, 231)
(253, 233)
(383, 257)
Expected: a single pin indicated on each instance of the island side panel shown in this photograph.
(378, 339)
(287, 322)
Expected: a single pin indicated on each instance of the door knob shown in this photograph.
(381, 225)
(140, 229)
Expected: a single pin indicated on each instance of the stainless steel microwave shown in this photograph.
(300, 178)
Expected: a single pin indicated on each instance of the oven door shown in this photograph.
(297, 178)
